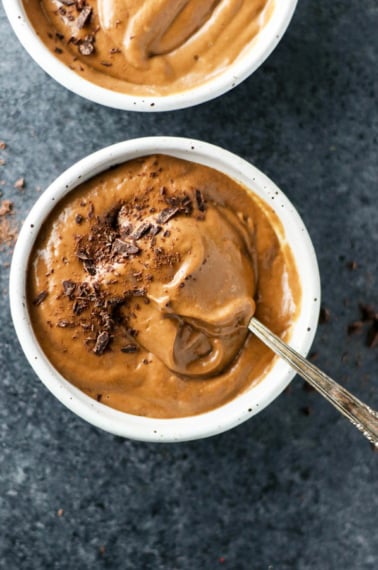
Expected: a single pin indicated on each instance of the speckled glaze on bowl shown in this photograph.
(246, 404)
(240, 69)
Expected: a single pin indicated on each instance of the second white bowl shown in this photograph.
(261, 47)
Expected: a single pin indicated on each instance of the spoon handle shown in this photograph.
(362, 417)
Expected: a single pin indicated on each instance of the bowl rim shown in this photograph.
(247, 403)
(266, 41)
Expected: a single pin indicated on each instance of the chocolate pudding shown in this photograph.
(142, 282)
(148, 47)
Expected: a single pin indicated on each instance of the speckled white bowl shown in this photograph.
(244, 66)
(248, 403)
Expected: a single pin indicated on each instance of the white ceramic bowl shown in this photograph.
(244, 66)
(245, 405)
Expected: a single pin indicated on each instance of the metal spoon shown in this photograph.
(362, 417)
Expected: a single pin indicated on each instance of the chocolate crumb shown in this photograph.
(355, 327)
(20, 183)
(99, 397)
(368, 312)
(79, 218)
(40, 298)
(372, 336)
(352, 265)
(5, 207)
(8, 232)
(86, 48)
(324, 316)
(3, 145)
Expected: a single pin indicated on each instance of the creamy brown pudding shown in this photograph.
(148, 47)
(142, 282)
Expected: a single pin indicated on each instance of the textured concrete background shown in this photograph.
(295, 487)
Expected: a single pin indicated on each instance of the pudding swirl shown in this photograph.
(149, 46)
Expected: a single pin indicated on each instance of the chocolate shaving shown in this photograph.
(130, 348)
(126, 229)
(141, 230)
(155, 230)
(102, 342)
(200, 201)
(186, 206)
(63, 324)
(83, 255)
(89, 267)
(139, 292)
(84, 17)
(166, 214)
(124, 248)
(79, 306)
(40, 298)
(69, 288)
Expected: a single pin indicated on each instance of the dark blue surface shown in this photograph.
(286, 490)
